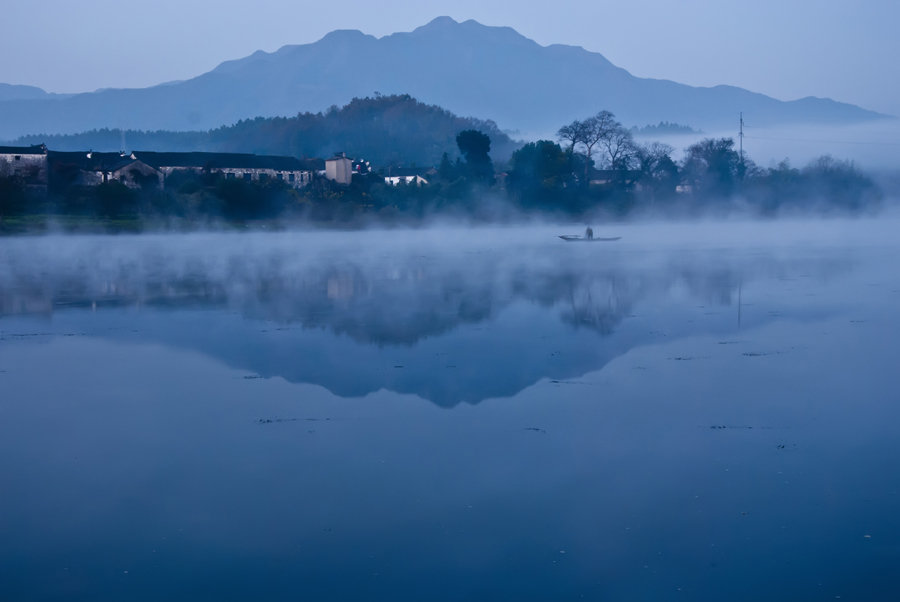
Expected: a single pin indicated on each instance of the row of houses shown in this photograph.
(36, 166)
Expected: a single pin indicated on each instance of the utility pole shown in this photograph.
(741, 139)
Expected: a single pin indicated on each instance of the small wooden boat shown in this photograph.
(578, 238)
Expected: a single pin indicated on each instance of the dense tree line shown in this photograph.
(600, 166)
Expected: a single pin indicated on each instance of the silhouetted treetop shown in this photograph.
(475, 146)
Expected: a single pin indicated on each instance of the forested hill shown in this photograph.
(384, 130)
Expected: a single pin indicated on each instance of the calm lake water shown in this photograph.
(693, 412)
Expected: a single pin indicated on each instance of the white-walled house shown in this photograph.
(339, 169)
(294, 172)
(409, 180)
(140, 168)
(409, 175)
(26, 162)
(92, 169)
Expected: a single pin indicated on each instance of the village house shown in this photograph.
(410, 180)
(92, 169)
(339, 169)
(295, 172)
(409, 175)
(609, 177)
(39, 167)
(26, 162)
(140, 169)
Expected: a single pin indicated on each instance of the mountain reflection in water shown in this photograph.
(451, 318)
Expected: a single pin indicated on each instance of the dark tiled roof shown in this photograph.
(91, 161)
(222, 161)
(37, 149)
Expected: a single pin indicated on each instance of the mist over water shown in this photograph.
(695, 410)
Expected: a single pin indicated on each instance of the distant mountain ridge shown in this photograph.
(468, 68)
(17, 92)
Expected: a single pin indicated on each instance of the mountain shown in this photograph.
(468, 68)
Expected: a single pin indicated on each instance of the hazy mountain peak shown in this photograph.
(447, 26)
(468, 68)
(345, 36)
(442, 22)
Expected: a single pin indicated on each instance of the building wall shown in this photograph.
(31, 167)
(89, 178)
(294, 178)
(126, 174)
(339, 169)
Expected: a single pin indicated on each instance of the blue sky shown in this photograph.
(787, 48)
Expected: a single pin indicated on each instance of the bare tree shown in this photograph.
(595, 130)
(615, 140)
(603, 131)
(584, 134)
(572, 133)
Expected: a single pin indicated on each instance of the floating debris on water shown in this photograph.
(745, 427)
(276, 419)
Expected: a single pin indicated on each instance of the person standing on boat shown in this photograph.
(589, 234)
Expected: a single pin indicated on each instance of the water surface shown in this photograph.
(701, 412)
